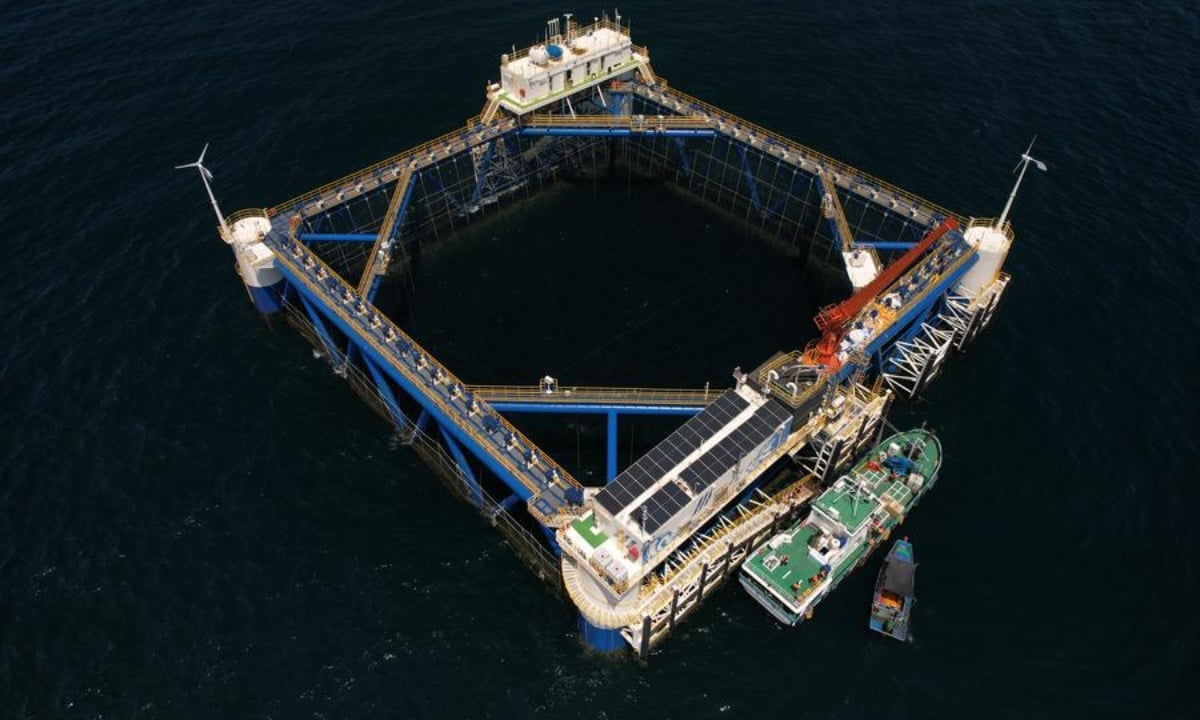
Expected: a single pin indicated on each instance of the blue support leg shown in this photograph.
(603, 639)
(463, 466)
(389, 398)
(611, 471)
(322, 332)
(423, 420)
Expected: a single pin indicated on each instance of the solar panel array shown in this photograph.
(654, 465)
(660, 507)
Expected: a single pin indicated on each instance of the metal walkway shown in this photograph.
(662, 400)
(617, 125)
(807, 159)
(547, 488)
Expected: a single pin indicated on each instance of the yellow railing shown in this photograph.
(385, 230)
(635, 122)
(886, 316)
(449, 140)
(991, 223)
(842, 168)
(780, 389)
(296, 258)
(247, 213)
(562, 394)
(839, 215)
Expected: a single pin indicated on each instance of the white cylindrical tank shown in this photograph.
(992, 245)
(539, 56)
(256, 262)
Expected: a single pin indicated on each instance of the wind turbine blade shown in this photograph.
(1018, 165)
(189, 165)
(206, 150)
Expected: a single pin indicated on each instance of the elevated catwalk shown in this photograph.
(639, 553)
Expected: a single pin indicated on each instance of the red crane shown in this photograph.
(832, 319)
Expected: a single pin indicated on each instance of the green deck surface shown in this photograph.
(801, 567)
(583, 526)
(842, 506)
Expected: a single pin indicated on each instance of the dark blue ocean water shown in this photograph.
(197, 519)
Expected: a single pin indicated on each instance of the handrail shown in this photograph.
(473, 125)
(296, 257)
(648, 396)
(991, 223)
(791, 145)
(606, 120)
(247, 213)
(375, 260)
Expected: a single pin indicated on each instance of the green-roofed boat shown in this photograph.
(794, 570)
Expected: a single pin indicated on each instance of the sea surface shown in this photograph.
(199, 520)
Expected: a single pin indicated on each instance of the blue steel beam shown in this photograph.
(592, 408)
(336, 237)
(419, 394)
(322, 332)
(910, 318)
(463, 466)
(885, 244)
(611, 470)
(614, 132)
(389, 398)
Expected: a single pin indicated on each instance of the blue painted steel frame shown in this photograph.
(463, 465)
(912, 317)
(593, 408)
(395, 229)
(322, 332)
(385, 389)
(336, 237)
(611, 411)
(415, 393)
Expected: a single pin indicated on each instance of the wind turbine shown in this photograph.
(1024, 165)
(205, 176)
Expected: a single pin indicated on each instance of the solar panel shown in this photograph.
(669, 453)
(660, 507)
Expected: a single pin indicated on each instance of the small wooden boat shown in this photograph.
(894, 598)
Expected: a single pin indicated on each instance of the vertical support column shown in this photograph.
(647, 627)
(611, 470)
(598, 638)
